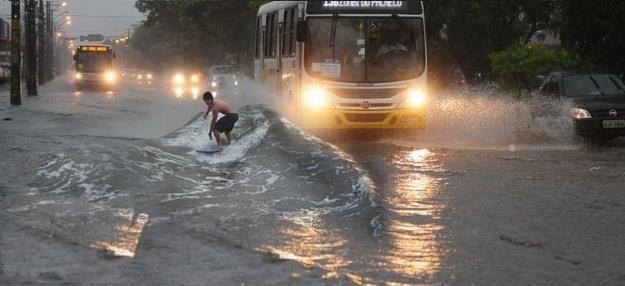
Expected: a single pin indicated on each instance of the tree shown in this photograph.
(595, 31)
(471, 30)
(518, 66)
(197, 32)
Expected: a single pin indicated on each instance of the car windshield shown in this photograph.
(93, 61)
(591, 85)
(365, 49)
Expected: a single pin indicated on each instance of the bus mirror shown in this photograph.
(301, 31)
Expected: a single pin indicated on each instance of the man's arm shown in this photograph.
(213, 122)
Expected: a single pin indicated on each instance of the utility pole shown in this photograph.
(49, 43)
(30, 51)
(42, 44)
(16, 56)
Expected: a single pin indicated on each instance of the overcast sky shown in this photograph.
(108, 17)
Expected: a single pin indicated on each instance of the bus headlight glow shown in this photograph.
(78, 76)
(179, 78)
(214, 84)
(195, 78)
(149, 76)
(316, 97)
(415, 98)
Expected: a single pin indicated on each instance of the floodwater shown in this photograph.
(472, 199)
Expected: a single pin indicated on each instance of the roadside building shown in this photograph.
(5, 51)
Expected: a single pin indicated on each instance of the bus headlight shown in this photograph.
(316, 97)
(195, 78)
(78, 76)
(415, 98)
(214, 84)
(179, 79)
(149, 76)
(110, 77)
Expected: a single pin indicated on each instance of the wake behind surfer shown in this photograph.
(225, 124)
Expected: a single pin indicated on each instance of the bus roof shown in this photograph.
(317, 7)
(277, 5)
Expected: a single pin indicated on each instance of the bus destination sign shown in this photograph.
(363, 4)
(364, 7)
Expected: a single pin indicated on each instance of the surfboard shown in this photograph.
(210, 149)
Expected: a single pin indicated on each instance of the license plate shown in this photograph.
(614, 124)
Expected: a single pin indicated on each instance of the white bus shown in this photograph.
(345, 64)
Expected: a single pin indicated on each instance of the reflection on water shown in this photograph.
(312, 245)
(125, 240)
(404, 245)
(409, 227)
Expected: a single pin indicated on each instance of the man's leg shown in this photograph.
(217, 137)
(228, 137)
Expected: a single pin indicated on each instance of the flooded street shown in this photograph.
(106, 188)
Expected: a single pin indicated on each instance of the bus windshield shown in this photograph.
(93, 61)
(365, 49)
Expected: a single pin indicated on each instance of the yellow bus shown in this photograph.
(345, 64)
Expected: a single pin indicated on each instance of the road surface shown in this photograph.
(105, 188)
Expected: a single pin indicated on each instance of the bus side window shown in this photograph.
(257, 45)
(265, 37)
(288, 36)
(292, 29)
(285, 32)
(274, 34)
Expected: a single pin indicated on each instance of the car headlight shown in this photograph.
(316, 97)
(110, 76)
(149, 76)
(195, 78)
(78, 76)
(179, 78)
(195, 92)
(579, 113)
(415, 98)
(139, 77)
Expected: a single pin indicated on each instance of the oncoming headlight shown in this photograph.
(214, 84)
(579, 113)
(315, 96)
(415, 98)
(149, 76)
(195, 78)
(179, 78)
(78, 76)
(110, 77)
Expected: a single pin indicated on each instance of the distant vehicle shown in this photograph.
(345, 64)
(144, 77)
(598, 98)
(224, 76)
(94, 66)
(187, 83)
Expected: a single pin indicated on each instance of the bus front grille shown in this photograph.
(366, 93)
(365, 117)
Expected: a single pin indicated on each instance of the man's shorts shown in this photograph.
(226, 123)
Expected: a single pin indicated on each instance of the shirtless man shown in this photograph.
(225, 124)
